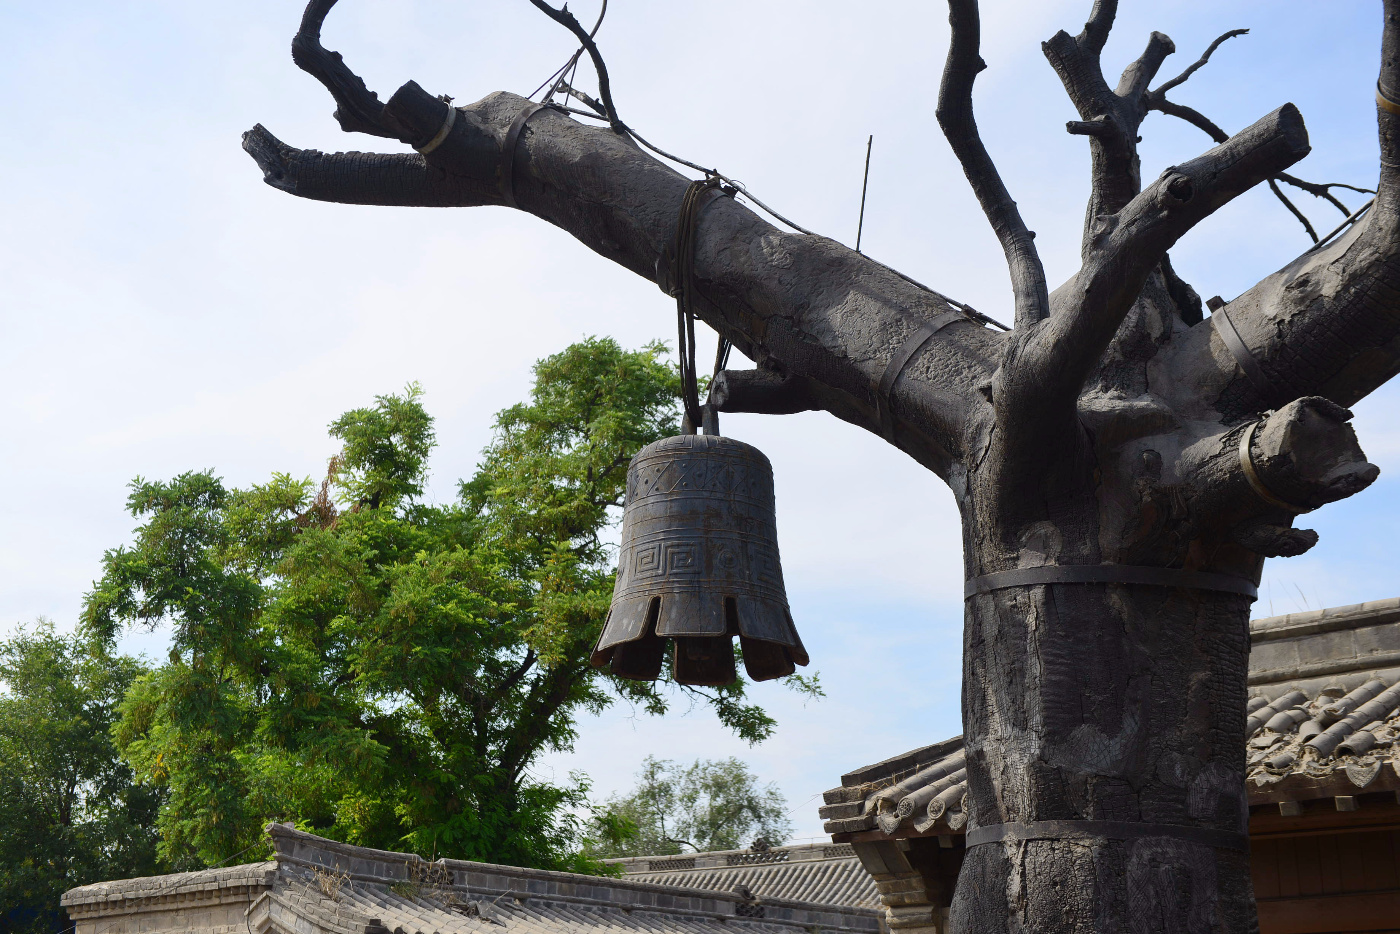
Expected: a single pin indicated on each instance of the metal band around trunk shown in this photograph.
(508, 152)
(1240, 351)
(1114, 830)
(900, 360)
(1109, 574)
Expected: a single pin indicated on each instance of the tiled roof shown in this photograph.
(206, 883)
(455, 897)
(822, 875)
(1324, 721)
(1302, 744)
(922, 791)
(318, 886)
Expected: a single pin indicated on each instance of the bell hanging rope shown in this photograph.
(698, 562)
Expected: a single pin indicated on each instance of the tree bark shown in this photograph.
(1113, 427)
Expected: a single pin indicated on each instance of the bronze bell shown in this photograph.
(699, 565)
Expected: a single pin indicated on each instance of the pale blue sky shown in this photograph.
(164, 310)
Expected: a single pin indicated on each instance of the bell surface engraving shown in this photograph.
(699, 564)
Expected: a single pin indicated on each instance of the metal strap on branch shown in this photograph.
(1017, 831)
(507, 173)
(1251, 473)
(442, 132)
(1109, 574)
(1386, 104)
(900, 360)
(1240, 351)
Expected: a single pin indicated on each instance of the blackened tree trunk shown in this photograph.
(1112, 429)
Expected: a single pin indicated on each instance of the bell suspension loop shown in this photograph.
(682, 266)
(698, 561)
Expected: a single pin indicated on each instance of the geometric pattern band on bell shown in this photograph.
(1109, 574)
(1115, 830)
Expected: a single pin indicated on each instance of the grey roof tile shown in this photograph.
(838, 880)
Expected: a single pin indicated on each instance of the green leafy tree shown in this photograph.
(384, 670)
(708, 805)
(71, 812)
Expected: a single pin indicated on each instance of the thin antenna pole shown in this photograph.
(860, 228)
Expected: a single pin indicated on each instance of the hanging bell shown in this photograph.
(699, 565)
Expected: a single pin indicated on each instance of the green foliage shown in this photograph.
(383, 670)
(708, 805)
(70, 811)
(386, 449)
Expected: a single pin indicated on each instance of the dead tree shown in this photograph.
(1123, 467)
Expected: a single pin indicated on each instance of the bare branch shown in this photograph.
(956, 118)
(1199, 63)
(1324, 190)
(585, 38)
(561, 78)
(358, 109)
(1306, 454)
(1302, 218)
(1190, 115)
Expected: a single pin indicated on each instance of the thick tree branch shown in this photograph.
(1098, 26)
(762, 392)
(1317, 190)
(956, 118)
(361, 177)
(1109, 118)
(1127, 246)
(358, 109)
(780, 298)
(1137, 76)
(1302, 457)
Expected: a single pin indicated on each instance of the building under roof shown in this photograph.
(1323, 779)
(826, 874)
(319, 886)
